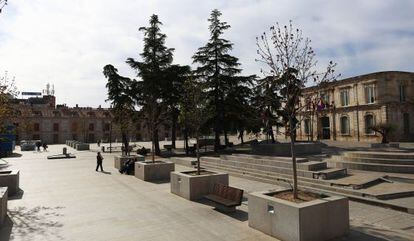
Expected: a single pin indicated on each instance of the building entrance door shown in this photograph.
(326, 132)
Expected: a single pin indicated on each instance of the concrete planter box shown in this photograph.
(3, 204)
(195, 187)
(82, 146)
(119, 161)
(283, 149)
(148, 171)
(317, 220)
(10, 179)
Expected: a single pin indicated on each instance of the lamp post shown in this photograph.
(110, 137)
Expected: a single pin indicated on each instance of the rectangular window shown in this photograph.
(36, 137)
(55, 126)
(91, 127)
(370, 93)
(344, 97)
(107, 127)
(406, 118)
(402, 93)
(36, 127)
(325, 98)
(307, 126)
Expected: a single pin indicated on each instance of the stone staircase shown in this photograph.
(393, 162)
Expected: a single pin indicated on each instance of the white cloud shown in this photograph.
(67, 43)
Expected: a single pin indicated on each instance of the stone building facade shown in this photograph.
(42, 119)
(345, 110)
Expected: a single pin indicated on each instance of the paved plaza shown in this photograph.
(67, 199)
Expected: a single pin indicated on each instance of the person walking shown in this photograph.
(99, 159)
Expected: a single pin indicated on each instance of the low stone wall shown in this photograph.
(283, 149)
(148, 171)
(194, 187)
(317, 220)
(10, 179)
(3, 204)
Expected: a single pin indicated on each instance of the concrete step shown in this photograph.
(276, 158)
(375, 167)
(185, 161)
(280, 178)
(270, 170)
(381, 155)
(377, 160)
(308, 165)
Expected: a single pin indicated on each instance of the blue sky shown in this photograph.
(67, 43)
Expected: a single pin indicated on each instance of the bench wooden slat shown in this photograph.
(221, 200)
(225, 195)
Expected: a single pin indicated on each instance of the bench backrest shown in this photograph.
(227, 192)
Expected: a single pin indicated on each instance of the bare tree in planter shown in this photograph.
(291, 63)
(194, 111)
(121, 102)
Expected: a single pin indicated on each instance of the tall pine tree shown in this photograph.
(153, 71)
(217, 69)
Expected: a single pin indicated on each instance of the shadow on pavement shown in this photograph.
(32, 223)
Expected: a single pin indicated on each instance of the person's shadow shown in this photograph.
(105, 172)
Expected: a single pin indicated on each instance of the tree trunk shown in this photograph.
(292, 148)
(126, 143)
(216, 140)
(174, 128)
(156, 143)
(226, 139)
(241, 135)
(186, 141)
(198, 155)
(271, 134)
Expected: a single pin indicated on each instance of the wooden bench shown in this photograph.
(225, 197)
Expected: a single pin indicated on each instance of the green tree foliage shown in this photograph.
(194, 110)
(173, 92)
(218, 69)
(153, 71)
(8, 91)
(119, 94)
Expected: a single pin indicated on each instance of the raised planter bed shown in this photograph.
(3, 204)
(153, 171)
(283, 149)
(119, 161)
(193, 187)
(10, 179)
(320, 219)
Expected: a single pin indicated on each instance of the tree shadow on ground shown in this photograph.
(32, 223)
(107, 173)
(366, 232)
(13, 155)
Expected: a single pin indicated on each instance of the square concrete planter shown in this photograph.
(10, 179)
(194, 187)
(82, 146)
(316, 220)
(119, 161)
(149, 171)
(3, 204)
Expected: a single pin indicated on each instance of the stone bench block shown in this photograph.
(10, 179)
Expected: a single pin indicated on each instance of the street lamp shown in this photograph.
(2, 4)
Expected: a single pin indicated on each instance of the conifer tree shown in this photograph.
(153, 72)
(217, 69)
(119, 94)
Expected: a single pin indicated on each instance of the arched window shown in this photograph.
(344, 125)
(369, 123)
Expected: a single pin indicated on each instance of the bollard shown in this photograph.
(64, 151)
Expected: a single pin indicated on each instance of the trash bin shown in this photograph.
(64, 151)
